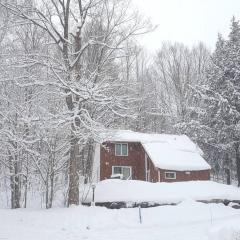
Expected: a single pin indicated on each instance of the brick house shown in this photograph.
(150, 157)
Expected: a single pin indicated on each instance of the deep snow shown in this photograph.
(139, 191)
(187, 221)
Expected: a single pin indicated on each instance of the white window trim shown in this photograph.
(159, 176)
(121, 150)
(125, 167)
(175, 175)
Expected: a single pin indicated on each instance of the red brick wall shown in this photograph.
(136, 159)
(186, 175)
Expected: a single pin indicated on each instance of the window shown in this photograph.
(170, 175)
(121, 149)
(126, 171)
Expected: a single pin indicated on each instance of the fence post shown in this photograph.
(93, 195)
(140, 213)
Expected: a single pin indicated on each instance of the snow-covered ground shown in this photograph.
(114, 190)
(187, 221)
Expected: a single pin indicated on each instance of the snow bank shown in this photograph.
(186, 221)
(229, 231)
(172, 152)
(114, 190)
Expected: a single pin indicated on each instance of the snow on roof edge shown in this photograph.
(116, 135)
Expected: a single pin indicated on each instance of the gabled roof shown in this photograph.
(171, 152)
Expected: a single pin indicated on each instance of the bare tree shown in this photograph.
(179, 70)
(72, 25)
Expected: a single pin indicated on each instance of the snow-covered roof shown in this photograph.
(171, 152)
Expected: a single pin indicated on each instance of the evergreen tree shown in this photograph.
(222, 97)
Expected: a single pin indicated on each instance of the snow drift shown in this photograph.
(114, 190)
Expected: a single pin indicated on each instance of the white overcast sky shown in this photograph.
(187, 21)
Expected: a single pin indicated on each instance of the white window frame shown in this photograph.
(159, 176)
(130, 167)
(121, 155)
(175, 175)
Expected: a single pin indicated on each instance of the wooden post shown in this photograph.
(140, 214)
(93, 195)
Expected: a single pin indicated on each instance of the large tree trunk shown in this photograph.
(52, 176)
(47, 192)
(73, 190)
(51, 189)
(228, 176)
(89, 162)
(238, 162)
(26, 182)
(227, 171)
(15, 182)
(74, 166)
(74, 161)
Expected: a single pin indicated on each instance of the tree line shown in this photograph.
(70, 69)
